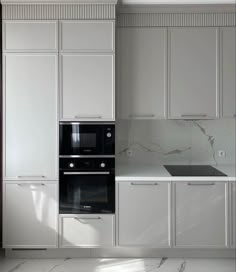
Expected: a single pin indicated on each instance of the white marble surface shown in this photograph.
(176, 141)
(148, 172)
(117, 265)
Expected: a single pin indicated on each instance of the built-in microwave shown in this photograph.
(87, 139)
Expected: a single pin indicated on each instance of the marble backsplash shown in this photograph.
(176, 141)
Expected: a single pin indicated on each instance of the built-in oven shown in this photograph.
(87, 185)
(87, 139)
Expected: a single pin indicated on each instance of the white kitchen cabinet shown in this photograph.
(233, 214)
(30, 116)
(201, 214)
(193, 81)
(87, 36)
(87, 230)
(144, 214)
(30, 215)
(30, 36)
(142, 76)
(228, 56)
(87, 87)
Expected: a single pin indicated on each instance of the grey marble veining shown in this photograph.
(117, 265)
(176, 141)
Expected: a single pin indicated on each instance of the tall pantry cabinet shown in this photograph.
(58, 65)
(30, 171)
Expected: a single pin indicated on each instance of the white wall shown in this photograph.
(169, 141)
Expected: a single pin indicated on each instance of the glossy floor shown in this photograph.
(117, 265)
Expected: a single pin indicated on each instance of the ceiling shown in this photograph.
(177, 2)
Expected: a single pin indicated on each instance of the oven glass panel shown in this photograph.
(87, 193)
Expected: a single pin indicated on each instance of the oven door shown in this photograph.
(81, 139)
(87, 192)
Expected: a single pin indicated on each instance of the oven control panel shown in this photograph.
(87, 163)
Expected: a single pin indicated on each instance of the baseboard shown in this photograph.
(121, 253)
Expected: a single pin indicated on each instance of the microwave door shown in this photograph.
(79, 139)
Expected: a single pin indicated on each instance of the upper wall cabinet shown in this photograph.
(30, 36)
(87, 87)
(142, 55)
(193, 73)
(87, 36)
(228, 71)
(30, 119)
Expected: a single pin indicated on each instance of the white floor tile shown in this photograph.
(117, 265)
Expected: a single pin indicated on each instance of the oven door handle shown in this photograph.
(86, 173)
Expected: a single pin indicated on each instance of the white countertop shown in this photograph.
(142, 172)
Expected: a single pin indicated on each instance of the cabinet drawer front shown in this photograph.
(87, 231)
(30, 215)
(87, 36)
(30, 36)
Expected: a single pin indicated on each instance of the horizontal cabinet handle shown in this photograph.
(142, 115)
(88, 218)
(201, 184)
(31, 184)
(88, 116)
(86, 173)
(39, 176)
(144, 184)
(194, 115)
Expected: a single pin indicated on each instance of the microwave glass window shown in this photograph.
(83, 140)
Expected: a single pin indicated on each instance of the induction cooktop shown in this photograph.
(193, 170)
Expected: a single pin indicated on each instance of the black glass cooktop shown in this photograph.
(193, 170)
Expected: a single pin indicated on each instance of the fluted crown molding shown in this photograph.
(58, 2)
(59, 10)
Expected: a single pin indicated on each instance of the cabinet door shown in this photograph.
(87, 36)
(233, 214)
(30, 215)
(228, 71)
(30, 85)
(87, 231)
(30, 36)
(201, 214)
(142, 55)
(193, 73)
(144, 214)
(87, 83)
